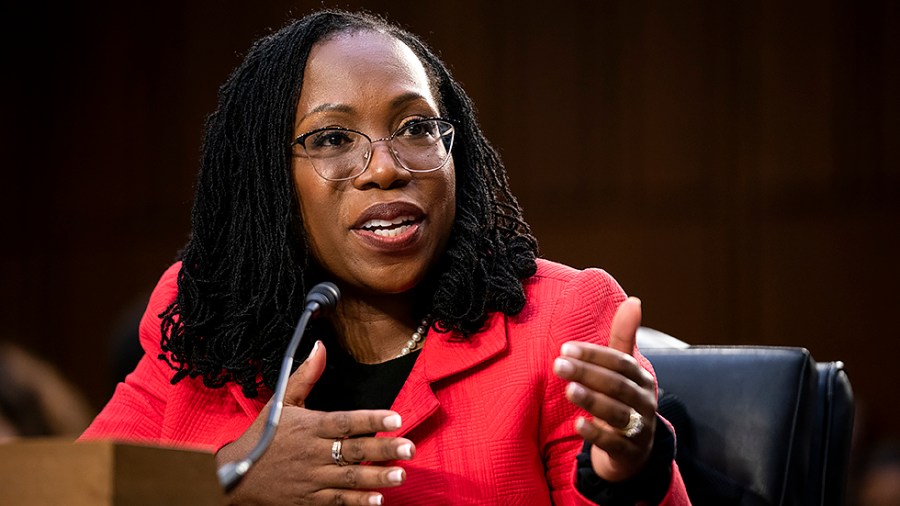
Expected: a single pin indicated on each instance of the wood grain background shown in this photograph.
(734, 164)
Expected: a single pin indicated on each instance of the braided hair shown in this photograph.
(246, 267)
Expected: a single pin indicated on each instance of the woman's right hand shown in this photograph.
(298, 467)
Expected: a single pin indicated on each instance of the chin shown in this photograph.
(371, 276)
(394, 286)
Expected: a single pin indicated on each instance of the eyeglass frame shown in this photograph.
(300, 139)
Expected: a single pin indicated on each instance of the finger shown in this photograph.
(360, 477)
(613, 412)
(346, 497)
(581, 361)
(376, 449)
(622, 334)
(304, 378)
(353, 423)
(611, 439)
(606, 438)
(610, 384)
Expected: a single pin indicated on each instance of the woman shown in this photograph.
(342, 150)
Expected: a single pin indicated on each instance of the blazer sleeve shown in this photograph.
(135, 411)
(583, 312)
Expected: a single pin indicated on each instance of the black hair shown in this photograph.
(246, 267)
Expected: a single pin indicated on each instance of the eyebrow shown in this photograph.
(407, 97)
(327, 107)
(398, 101)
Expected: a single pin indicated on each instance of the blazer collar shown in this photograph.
(443, 356)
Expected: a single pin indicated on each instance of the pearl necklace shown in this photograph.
(417, 337)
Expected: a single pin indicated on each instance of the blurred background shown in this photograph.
(734, 164)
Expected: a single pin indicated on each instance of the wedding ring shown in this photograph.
(336, 454)
(635, 425)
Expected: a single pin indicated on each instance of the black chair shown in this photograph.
(756, 425)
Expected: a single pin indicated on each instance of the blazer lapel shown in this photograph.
(443, 356)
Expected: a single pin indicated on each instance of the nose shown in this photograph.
(384, 171)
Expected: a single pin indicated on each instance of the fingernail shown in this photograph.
(636, 300)
(579, 424)
(392, 422)
(313, 352)
(563, 366)
(396, 476)
(570, 350)
(405, 451)
(575, 391)
(376, 499)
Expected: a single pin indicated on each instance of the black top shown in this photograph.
(346, 384)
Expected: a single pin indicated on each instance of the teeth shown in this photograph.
(374, 224)
(391, 232)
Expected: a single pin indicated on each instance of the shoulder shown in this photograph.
(554, 280)
(562, 302)
(167, 286)
(162, 297)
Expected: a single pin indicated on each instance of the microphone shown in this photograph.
(320, 300)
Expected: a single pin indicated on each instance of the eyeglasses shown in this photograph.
(339, 154)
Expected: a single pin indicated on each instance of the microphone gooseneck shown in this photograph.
(320, 301)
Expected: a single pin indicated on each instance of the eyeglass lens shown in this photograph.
(419, 146)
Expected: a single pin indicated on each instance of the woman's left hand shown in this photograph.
(609, 383)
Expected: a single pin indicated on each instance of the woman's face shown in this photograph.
(381, 231)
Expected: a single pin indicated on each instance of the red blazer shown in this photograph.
(489, 418)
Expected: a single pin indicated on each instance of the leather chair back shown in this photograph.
(757, 425)
(832, 438)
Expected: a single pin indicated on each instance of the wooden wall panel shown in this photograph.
(735, 164)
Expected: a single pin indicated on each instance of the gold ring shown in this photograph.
(635, 424)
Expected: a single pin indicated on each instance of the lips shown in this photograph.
(390, 225)
(389, 228)
(389, 214)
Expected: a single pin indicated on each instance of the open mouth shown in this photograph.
(389, 228)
